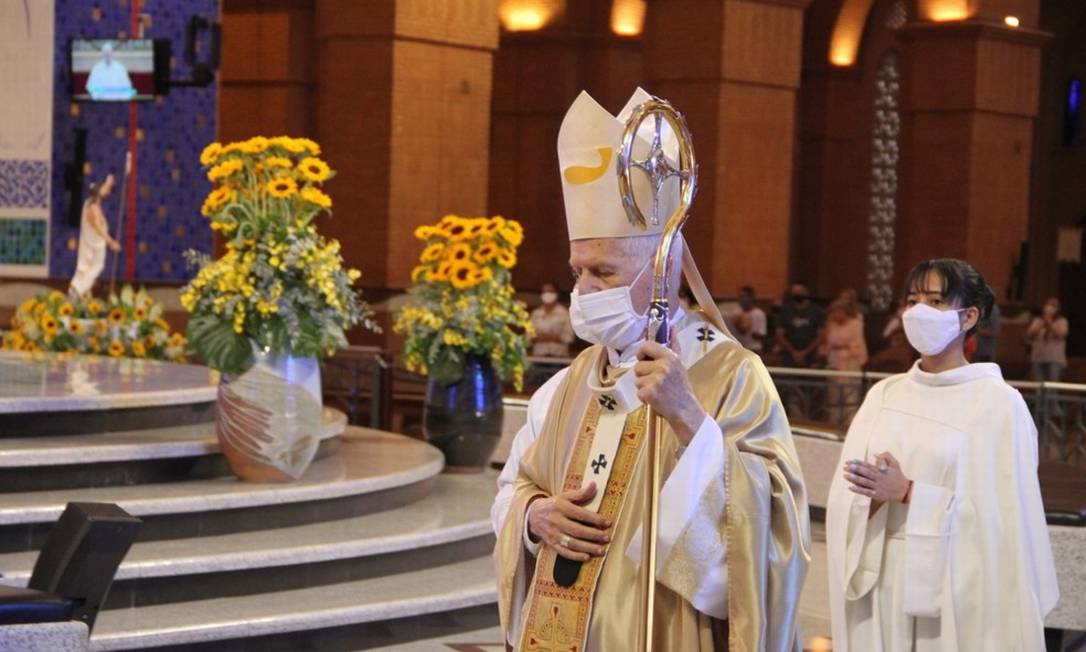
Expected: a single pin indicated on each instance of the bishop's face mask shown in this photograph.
(608, 317)
(929, 330)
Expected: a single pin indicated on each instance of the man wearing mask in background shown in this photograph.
(553, 332)
(799, 328)
(571, 501)
(749, 321)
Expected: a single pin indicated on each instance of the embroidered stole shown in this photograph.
(557, 617)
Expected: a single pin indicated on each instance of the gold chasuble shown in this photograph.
(756, 511)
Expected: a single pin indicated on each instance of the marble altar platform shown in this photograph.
(373, 546)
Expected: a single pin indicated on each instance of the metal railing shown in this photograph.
(831, 398)
(359, 380)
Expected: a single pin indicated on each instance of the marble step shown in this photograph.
(284, 613)
(450, 524)
(123, 458)
(471, 629)
(84, 395)
(372, 471)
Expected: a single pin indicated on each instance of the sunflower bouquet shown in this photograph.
(463, 300)
(128, 324)
(280, 285)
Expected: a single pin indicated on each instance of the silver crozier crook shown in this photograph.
(658, 169)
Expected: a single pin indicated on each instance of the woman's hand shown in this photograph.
(882, 481)
(114, 246)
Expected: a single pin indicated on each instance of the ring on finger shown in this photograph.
(564, 540)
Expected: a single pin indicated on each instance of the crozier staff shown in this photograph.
(730, 565)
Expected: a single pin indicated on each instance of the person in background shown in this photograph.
(845, 350)
(553, 330)
(686, 299)
(799, 328)
(749, 321)
(108, 79)
(1047, 336)
(988, 336)
(935, 531)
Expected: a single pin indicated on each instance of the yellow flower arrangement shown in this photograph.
(463, 300)
(279, 285)
(53, 322)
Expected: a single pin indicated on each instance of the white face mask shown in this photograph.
(929, 330)
(607, 317)
(549, 298)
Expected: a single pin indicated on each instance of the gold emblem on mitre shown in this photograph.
(587, 144)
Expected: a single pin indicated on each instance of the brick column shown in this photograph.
(967, 145)
(403, 98)
(733, 67)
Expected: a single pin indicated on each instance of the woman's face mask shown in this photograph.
(929, 330)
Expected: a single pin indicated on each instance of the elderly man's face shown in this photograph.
(605, 263)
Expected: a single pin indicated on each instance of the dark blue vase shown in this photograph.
(464, 418)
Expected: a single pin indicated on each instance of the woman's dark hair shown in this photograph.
(95, 192)
(960, 282)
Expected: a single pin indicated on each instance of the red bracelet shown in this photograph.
(908, 491)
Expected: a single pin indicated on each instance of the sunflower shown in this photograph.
(420, 274)
(495, 224)
(456, 229)
(49, 323)
(94, 345)
(75, 327)
(139, 313)
(255, 145)
(312, 146)
(459, 252)
(314, 196)
(426, 232)
(210, 154)
(485, 253)
(432, 252)
(116, 316)
(138, 349)
(282, 187)
(116, 349)
(462, 275)
(512, 232)
(149, 341)
(481, 275)
(94, 308)
(218, 198)
(507, 258)
(278, 162)
(442, 272)
(292, 145)
(225, 169)
(477, 226)
(314, 169)
(66, 310)
(177, 339)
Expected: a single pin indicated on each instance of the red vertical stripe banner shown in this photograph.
(133, 130)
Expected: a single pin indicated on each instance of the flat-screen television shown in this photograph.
(114, 70)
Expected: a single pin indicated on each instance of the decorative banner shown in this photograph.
(26, 124)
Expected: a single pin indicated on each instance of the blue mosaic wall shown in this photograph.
(173, 129)
(22, 241)
(24, 184)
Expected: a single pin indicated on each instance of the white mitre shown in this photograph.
(588, 145)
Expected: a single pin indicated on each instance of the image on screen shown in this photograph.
(113, 70)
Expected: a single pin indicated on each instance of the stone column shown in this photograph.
(733, 67)
(403, 98)
(970, 92)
